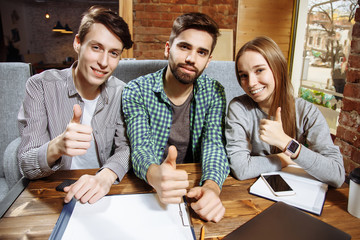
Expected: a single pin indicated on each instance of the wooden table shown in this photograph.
(34, 213)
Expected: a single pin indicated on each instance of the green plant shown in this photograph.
(317, 97)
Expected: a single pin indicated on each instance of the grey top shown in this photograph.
(180, 135)
(249, 155)
(48, 108)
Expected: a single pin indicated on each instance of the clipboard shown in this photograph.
(128, 216)
(309, 193)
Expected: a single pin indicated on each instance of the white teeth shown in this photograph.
(99, 71)
(256, 91)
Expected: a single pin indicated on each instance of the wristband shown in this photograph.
(291, 147)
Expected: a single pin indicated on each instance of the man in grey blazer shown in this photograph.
(71, 118)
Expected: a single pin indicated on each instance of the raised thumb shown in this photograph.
(194, 193)
(77, 114)
(278, 114)
(171, 157)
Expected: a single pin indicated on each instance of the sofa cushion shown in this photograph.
(4, 189)
(13, 78)
(224, 72)
(11, 166)
(130, 69)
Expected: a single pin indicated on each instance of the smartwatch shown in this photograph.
(291, 148)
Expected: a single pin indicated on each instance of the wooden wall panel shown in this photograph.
(224, 49)
(126, 12)
(271, 18)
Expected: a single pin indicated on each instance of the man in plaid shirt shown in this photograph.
(176, 115)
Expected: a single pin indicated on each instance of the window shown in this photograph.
(323, 73)
(311, 39)
(318, 41)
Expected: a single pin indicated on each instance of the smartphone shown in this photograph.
(277, 185)
(65, 183)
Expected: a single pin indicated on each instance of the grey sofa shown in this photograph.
(14, 76)
(223, 71)
(12, 79)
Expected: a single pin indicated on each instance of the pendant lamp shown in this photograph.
(58, 27)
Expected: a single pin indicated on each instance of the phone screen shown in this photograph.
(277, 183)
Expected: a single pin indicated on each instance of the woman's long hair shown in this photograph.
(283, 92)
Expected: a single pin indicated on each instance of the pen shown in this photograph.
(202, 232)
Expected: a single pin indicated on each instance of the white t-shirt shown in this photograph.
(89, 159)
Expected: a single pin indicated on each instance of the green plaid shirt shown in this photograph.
(148, 115)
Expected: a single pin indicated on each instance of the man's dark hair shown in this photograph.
(111, 20)
(195, 20)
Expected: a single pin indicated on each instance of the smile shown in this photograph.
(257, 90)
(98, 72)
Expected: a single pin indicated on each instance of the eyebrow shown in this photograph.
(205, 50)
(259, 65)
(187, 44)
(94, 42)
(254, 67)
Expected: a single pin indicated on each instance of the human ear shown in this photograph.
(76, 44)
(208, 61)
(167, 50)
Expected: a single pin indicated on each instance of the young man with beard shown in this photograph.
(176, 115)
(71, 118)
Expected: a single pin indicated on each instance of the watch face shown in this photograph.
(293, 146)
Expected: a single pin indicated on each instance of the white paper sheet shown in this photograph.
(136, 216)
(310, 193)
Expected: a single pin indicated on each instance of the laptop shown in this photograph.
(283, 222)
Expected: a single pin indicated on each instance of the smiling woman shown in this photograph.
(256, 78)
(269, 128)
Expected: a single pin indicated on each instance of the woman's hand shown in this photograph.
(271, 131)
(285, 160)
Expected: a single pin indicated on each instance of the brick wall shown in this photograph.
(348, 131)
(153, 21)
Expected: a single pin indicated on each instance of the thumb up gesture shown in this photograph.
(77, 114)
(170, 161)
(74, 141)
(76, 137)
(271, 131)
(170, 183)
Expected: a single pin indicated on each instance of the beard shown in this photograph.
(182, 77)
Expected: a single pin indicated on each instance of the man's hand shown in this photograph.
(208, 205)
(169, 183)
(91, 188)
(272, 132)
(74, 141)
